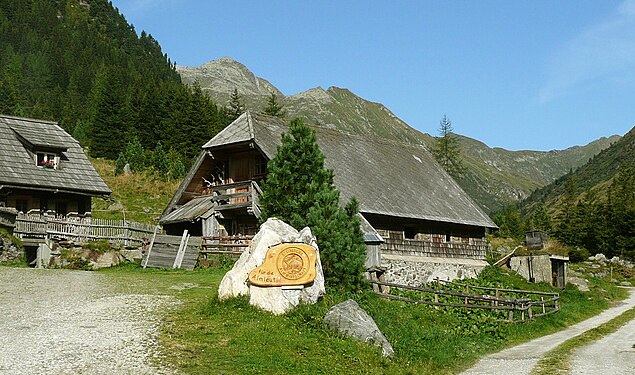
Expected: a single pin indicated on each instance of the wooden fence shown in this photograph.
(82, 229)
(520, 305)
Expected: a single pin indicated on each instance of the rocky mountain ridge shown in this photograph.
(495, 176)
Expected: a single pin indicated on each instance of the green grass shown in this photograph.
(558, 360)
(143, 196)
(231, 337)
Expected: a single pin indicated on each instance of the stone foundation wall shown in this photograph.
(416, 271)
(538, 267)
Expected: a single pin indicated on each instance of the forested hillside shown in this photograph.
(591, 208)
(79, 62)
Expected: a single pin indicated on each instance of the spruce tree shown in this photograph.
(120, 164)
(135, 155)
(447, 150)
(274, 108)
(235, 107)
(159, 161)
(299, 190)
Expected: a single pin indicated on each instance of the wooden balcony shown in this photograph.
(237, 195)
(408, 247)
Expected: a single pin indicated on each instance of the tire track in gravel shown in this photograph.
(72, 322)
(521, 359)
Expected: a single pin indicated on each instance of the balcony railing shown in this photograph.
(244, 194)
(474, 250)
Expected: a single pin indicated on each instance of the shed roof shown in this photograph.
(387, 177)
(197, 208)
(20, 138)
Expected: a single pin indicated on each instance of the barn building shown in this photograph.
(417, 222)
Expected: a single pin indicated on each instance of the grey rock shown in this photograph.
(616, 260)
(503, 249)
(126, 170)
(277, 300)
(349, 319)
(600, 275)
(582, 284)
(601, 258)
(117, 206)
(581, 270)
(626, 283)
(596, 266)
(8, 251)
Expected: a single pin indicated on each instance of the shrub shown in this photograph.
(578, 254)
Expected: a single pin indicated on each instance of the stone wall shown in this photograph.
(8, 251)
(417, 270)
(537, 267)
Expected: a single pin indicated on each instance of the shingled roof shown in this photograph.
(20, 138)
(387, 177)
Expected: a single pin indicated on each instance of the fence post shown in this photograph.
(126, 233)
(511, 313)
(154, 236)
(497, 294)
(543, 304)
(467, 292)
(522, 311)
(531, 314)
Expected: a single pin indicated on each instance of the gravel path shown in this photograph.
(521, 359)
(613, 354)
(72, 322)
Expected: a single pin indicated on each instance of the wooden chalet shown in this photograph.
(43, 169)
(409, 206)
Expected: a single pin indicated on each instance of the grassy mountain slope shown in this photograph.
(595, 175)
(495, 178)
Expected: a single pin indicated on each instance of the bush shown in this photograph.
(578, 254)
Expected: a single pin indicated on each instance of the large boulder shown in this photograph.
(349, 319)
(581, 283)
(277, 300)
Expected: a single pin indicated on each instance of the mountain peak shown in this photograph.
(225, 74)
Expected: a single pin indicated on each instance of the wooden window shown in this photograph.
(409, 233)
(261, 165)
(46, 160)
(448, 237)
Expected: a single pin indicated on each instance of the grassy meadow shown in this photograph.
(202, 335)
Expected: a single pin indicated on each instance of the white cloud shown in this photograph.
(604, 51)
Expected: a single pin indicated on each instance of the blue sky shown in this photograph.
(536, 75)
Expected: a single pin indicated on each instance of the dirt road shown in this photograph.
(613, 354)
(521, 359)
(72, 322)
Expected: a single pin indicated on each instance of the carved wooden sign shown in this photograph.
(286, 264)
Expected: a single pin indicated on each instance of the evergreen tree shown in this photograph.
(447, 150)
(540, 219)
(299, 190)
(235, 107)
(274, 108)
(177, 167)
(159, 161)
(120, 164)
(81, 132)
(135, 155)
(510, 222)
